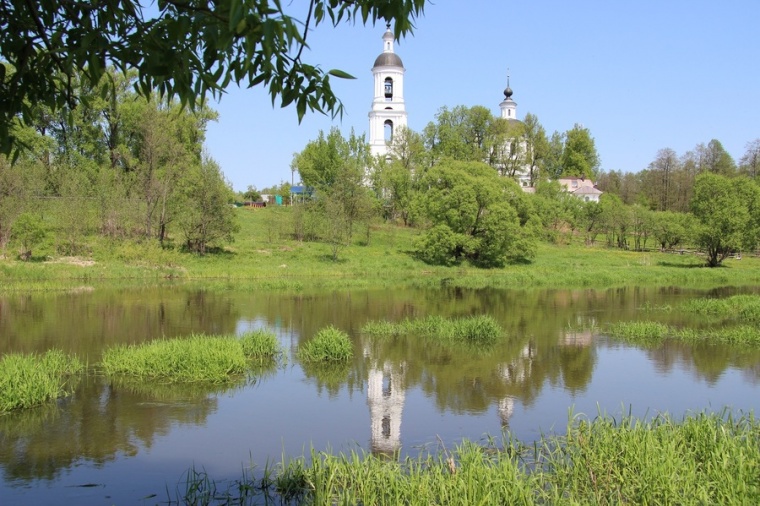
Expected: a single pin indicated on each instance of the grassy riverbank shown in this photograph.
(264, 256)
(702, 459)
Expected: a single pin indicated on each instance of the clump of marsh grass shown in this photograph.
(31, 380)
(260, 344)
(745, 335)
(190, 359)
(744, 308)
(480, 329)
(645, 332)
(329, 345)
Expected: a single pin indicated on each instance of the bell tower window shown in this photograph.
(388, 130)
(388, 88)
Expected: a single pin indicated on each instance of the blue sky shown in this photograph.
(640, 75)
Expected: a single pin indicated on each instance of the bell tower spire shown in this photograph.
(388, 111)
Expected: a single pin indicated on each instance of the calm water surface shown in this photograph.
(121, 442)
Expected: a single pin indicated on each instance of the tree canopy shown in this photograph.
(185, 49)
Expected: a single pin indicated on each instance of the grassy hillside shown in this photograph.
(265, 255)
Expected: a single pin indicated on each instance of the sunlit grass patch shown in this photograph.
(31, 380)
(480, 329)
(329, 345)
(194, 358)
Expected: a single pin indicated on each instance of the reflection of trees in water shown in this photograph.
(85, 322)
(708, 361)
(100, 422)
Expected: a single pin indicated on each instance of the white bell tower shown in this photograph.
(388, 112)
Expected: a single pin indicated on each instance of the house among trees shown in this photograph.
(580, 187)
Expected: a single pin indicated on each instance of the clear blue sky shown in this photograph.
(640, 75)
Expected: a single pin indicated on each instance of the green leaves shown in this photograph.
(188, 50)
(340, 74)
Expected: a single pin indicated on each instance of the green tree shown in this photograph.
(336, 168)
(749, 164)
(727, 212)
(207, 217)
(717, 159)
(614, 220)
(579, 156)
(29, 231)
(669, 228)
(536, 147)
(252, 194)
(553, 160)
(474, 216)
(659, 185)
(187, 49)
(394, 181)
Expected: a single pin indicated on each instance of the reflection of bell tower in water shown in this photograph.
(385, 396)
(388, 110)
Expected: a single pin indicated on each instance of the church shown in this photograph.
(388, 113)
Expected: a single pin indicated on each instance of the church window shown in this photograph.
(388, 130)
(388, 88)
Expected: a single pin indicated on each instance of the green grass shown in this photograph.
(480, 329)
(260, 344)
(653, 333)
(744, 308)
(639, 331)
(702, 459)
(197, 358)
(31, 380)
(265, 256)
(329, 345)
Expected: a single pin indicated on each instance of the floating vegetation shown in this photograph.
(481, 329)
(190, 359)
(703, 459)
(329, 345)
(31, 380)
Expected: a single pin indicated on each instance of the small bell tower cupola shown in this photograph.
(388, 111)
(508, 106)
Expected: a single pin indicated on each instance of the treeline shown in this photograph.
(667, 184)
(458, 182)
(115, 164)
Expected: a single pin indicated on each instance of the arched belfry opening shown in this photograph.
(388, 88)
(388, 130)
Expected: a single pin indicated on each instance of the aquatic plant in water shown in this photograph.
(31, 380)
(329, 345)
(479, 329)
(194, 358)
